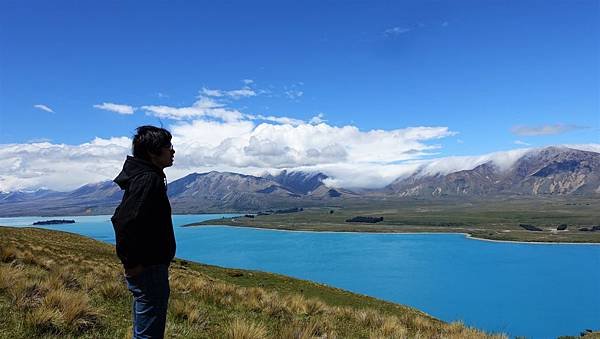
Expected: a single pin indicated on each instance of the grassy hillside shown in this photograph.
(498, 219)
(56, 284)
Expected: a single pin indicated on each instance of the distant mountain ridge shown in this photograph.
(299, 182)
(549, 171)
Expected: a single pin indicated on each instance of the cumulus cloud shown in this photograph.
(210, 105)
(43, 108)
(522, 130)
(60, 166)
(350, 157)
(317, 119)
(244, 144)
(240, 146)
(203, 107)
(117, 108)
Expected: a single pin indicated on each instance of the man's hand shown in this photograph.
(132, 272)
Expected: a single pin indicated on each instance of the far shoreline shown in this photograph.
(466, 235)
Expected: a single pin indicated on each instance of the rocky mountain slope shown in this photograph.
(550, 171)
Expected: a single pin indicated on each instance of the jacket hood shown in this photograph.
(134, 167)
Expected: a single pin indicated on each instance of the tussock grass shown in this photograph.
(306, 330)
(243, 329)
(74, 310)
(112, 289)
(59, 285)
(8, 253)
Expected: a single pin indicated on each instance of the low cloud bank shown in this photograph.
(351, 157)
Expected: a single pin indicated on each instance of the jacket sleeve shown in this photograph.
(128, 220)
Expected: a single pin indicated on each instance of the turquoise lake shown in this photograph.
(533, 290)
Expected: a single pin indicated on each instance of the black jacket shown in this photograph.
(142, 222)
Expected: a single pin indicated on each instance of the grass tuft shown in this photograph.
(44, 320)
(112, 289)
(243, 329)
(8, 253)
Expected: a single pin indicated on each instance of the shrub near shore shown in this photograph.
(57, 284)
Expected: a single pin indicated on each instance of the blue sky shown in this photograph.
(498, 75)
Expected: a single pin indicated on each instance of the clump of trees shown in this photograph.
(531, 227)
(590, 229)
(371, 220)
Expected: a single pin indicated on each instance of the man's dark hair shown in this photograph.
(150, 139)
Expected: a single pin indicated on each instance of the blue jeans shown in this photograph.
(150, 290)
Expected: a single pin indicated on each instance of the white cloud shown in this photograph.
(522, 130)
(60, 166)
(352, 158)
(240, 146)
(243, 144)
(235, 94)
(394, 31)
(585, 147)
(212, 92)
(280, 120)
(503, 160)
(117, 108)
(248, 81)
(369, 175)
(317, 119)
(523, 143)
(203, 107)
(38, 140)
(43, 108)
(293, 94)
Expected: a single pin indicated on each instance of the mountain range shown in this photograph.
(549, 171)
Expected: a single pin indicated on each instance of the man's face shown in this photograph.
(164, 158)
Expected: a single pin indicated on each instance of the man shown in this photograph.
(144, 229)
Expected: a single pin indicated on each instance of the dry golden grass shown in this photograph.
(112, 289)
(9, 274)
(44, 320)
(253, 297)
(8, 253)
(243, 329)
(306, 330)
(315, 307)
(295, 304)
(273, 306)
(74, 309)
(27, 294)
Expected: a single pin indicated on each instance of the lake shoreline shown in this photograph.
(466, 234)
